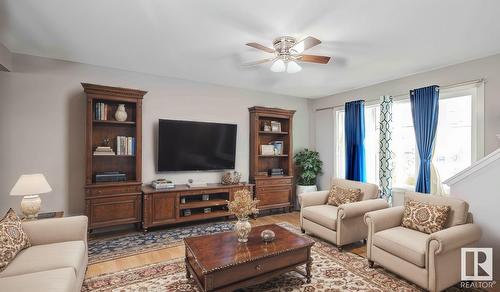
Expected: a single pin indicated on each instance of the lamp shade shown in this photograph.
(293, 67)
(278, 66)
(31, 184)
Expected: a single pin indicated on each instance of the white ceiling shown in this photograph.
(203, 40)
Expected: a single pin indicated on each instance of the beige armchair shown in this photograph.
(431, 261)
(343, 224)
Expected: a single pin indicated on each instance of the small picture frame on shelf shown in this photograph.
(187, 212)
(275, 126)
(207, 210)
(183, 200)
(267, 149)
(205, 197)
(267, 126)
(278, 147)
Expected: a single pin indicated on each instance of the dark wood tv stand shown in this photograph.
(165, 207)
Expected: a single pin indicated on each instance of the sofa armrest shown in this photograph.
(381, 220)
(453, 238)
(384, 219)
(313, 198)
(360, 208)
(56, 230)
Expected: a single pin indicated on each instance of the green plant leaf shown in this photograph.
(309, 166)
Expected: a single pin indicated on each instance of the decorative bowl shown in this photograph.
(231, 178)
(267, 235)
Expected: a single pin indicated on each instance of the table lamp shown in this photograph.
(30, 186)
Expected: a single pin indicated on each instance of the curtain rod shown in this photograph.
(475, 81)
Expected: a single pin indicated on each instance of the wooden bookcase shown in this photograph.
(272, 191)
(113, 203)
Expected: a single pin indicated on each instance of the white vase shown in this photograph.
(242, 229)
(30, 206)
(301, 190)
(121, 114)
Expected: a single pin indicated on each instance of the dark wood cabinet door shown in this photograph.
(164, 208)
(275, 196)
(114, 210)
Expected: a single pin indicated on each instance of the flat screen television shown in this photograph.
(186, 145)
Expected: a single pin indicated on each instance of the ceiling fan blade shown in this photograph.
(305, 44)
(257, 62)
(314, 59)
(260, 47)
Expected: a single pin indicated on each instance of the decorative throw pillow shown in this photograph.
(339, 196)
(424, 217)
(12, 238)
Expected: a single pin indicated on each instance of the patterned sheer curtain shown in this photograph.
(385, 151)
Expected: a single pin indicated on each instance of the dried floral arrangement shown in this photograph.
(243, 204)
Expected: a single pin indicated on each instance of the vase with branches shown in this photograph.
(243, 206)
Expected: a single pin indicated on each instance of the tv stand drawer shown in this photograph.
(109, 189)
(275, 181)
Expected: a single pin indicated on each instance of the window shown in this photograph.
(453, 148)
(458, 137)
(404, 146)
(372, 132)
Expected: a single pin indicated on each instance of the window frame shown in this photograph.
(336, 111)
(475, 90)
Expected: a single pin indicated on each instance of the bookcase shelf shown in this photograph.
(113, 203)
(272, 133)
(112, 122)
(115, 156)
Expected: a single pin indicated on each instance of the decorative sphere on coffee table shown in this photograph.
(267, 235)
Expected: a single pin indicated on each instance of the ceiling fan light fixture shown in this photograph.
(288, 53)
(278, 66)
(293, 67)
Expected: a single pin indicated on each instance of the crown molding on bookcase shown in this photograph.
(112, 91)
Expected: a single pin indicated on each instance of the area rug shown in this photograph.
(105, 249)
(332, 270)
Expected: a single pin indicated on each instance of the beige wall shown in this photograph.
(42, 122)
(482, 68)
(479, 186)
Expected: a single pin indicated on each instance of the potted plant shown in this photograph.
(309, 167)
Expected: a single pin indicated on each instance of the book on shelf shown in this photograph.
(103, 150)
(96, 153)
(125, 145)
(101, 111)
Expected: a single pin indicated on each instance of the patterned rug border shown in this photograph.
(134, 253)
(156, 270)
(98, 258)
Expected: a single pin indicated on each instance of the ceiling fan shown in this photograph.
(287, 52)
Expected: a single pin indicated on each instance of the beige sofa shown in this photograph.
(343, 224)
(431, 261)
(56, 261)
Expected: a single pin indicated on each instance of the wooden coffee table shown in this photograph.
(219, 263)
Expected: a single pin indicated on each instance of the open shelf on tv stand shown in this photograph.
(169, 206)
